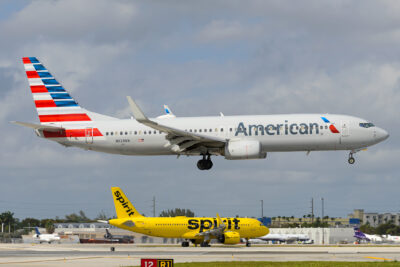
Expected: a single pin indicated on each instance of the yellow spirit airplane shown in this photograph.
(198, 230)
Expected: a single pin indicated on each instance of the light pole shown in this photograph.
(323, 232)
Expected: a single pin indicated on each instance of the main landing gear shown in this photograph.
(248, 244)
(351, 159)
(204, 244)
(205, 163)
(185, 243)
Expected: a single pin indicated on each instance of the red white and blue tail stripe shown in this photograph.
(53, 103)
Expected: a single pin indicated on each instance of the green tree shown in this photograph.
(81, 217)
(101, 216)
(177, 212)
(368, 229)
(29, 222)
(50, 226)
(8, 219)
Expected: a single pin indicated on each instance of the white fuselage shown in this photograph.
(288, 132)
(281, 238)
(46, 237)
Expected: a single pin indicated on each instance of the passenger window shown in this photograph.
(326, 127)
(144, 132)
(155, 132)
(190, 130)
(135, 132)
(126, 133)
(216, 129)
(222, 129)
(230, 129)
(210, 130)
(149, 132)
(195, 130)
(205, 130)
(121, 133)
(112, 133)
(106, 133)
(321, 127)
(199, 130)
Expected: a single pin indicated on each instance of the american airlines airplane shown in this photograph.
(235, 137)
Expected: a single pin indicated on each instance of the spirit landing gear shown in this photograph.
(185, 243)
(351, 159)
(204, 244)
(248, 244)
(205, 163)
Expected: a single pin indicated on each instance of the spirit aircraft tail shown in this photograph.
(123, 207)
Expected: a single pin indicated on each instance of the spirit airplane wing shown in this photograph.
(216, 231)
(179, 140)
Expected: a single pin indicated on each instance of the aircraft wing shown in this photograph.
(179, 140)
(42, 127)
(217, 231)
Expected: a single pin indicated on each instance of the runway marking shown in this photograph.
(68, 259)
(378, 258)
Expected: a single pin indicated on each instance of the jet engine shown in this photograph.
(229, 238)
(244, 149)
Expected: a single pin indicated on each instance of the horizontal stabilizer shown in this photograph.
(42, 127)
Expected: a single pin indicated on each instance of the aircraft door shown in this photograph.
(345, 128)
(89, 135)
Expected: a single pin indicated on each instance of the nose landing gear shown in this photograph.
(205, 163)
(351, 159)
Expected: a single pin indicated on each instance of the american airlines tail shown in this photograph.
(53, 103)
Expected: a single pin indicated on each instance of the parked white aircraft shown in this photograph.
(360, 236)
(235, 137)
(391, 238)
(45, 237)
(287, 238)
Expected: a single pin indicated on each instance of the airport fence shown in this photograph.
(10, 240)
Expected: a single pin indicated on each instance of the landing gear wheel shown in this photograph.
(351, 159)
(205, 163)
(185, 244)
(200, 164)
(204, 244)
(248, 244)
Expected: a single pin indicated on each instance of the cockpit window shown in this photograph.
(366, 124)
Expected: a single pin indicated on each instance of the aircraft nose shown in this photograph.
(381, 134)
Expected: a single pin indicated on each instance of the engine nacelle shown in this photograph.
(230, 238)
(244, 149)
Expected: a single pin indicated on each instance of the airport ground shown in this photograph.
(100, 255)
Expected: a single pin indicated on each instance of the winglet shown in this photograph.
(168, 110)
(137, 112)
(220, 222)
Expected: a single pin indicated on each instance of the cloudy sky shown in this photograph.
(200, 58)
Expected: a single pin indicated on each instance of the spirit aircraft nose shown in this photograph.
(381, 135)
